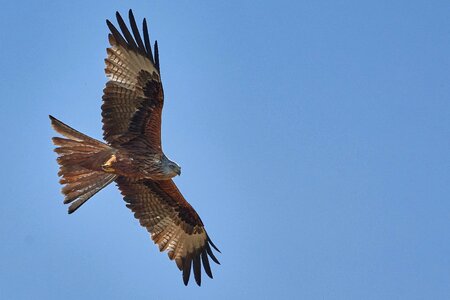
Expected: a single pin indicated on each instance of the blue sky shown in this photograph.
(314, 138)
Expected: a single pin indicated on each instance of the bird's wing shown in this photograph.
(172, 222)
(133, 97)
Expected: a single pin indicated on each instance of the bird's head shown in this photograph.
(175, 167)
(170, 168)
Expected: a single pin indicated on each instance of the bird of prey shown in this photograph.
(132, 155)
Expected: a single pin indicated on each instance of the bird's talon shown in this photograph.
(107, 166)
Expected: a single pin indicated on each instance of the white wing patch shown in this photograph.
(123, 66)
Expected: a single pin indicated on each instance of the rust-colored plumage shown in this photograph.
(132, 157)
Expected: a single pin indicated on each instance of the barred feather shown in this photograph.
(80, 158)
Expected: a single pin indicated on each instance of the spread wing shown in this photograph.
(172, 222)
(133, 97)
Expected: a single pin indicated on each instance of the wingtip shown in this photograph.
(109, 24)
(211, 254)
(119, 18)
(212, 244)
(155, 46)
(185, 279)
(145, 27)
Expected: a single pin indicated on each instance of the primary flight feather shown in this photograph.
(133, 157)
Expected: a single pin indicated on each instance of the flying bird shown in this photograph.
(132, 156)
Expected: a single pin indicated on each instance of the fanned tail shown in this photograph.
(80, 158)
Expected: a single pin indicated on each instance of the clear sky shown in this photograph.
(314, 138)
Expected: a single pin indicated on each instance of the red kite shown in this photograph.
(132, 155)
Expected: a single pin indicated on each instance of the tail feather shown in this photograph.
(73, 134)
(83, 193)
(80, 158)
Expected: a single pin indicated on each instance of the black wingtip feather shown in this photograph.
(126, 33)
(135, 30)
(134, 42)
(156, 56)
(195, 262)
(187, 270)
(148, 48)
(117, 36)
(211, 254)
(214, 246)
(206, 265)
(197, 269)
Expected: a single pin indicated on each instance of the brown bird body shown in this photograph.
(132, 155)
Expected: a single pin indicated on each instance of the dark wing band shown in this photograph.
(173, 224)
(133, 97)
